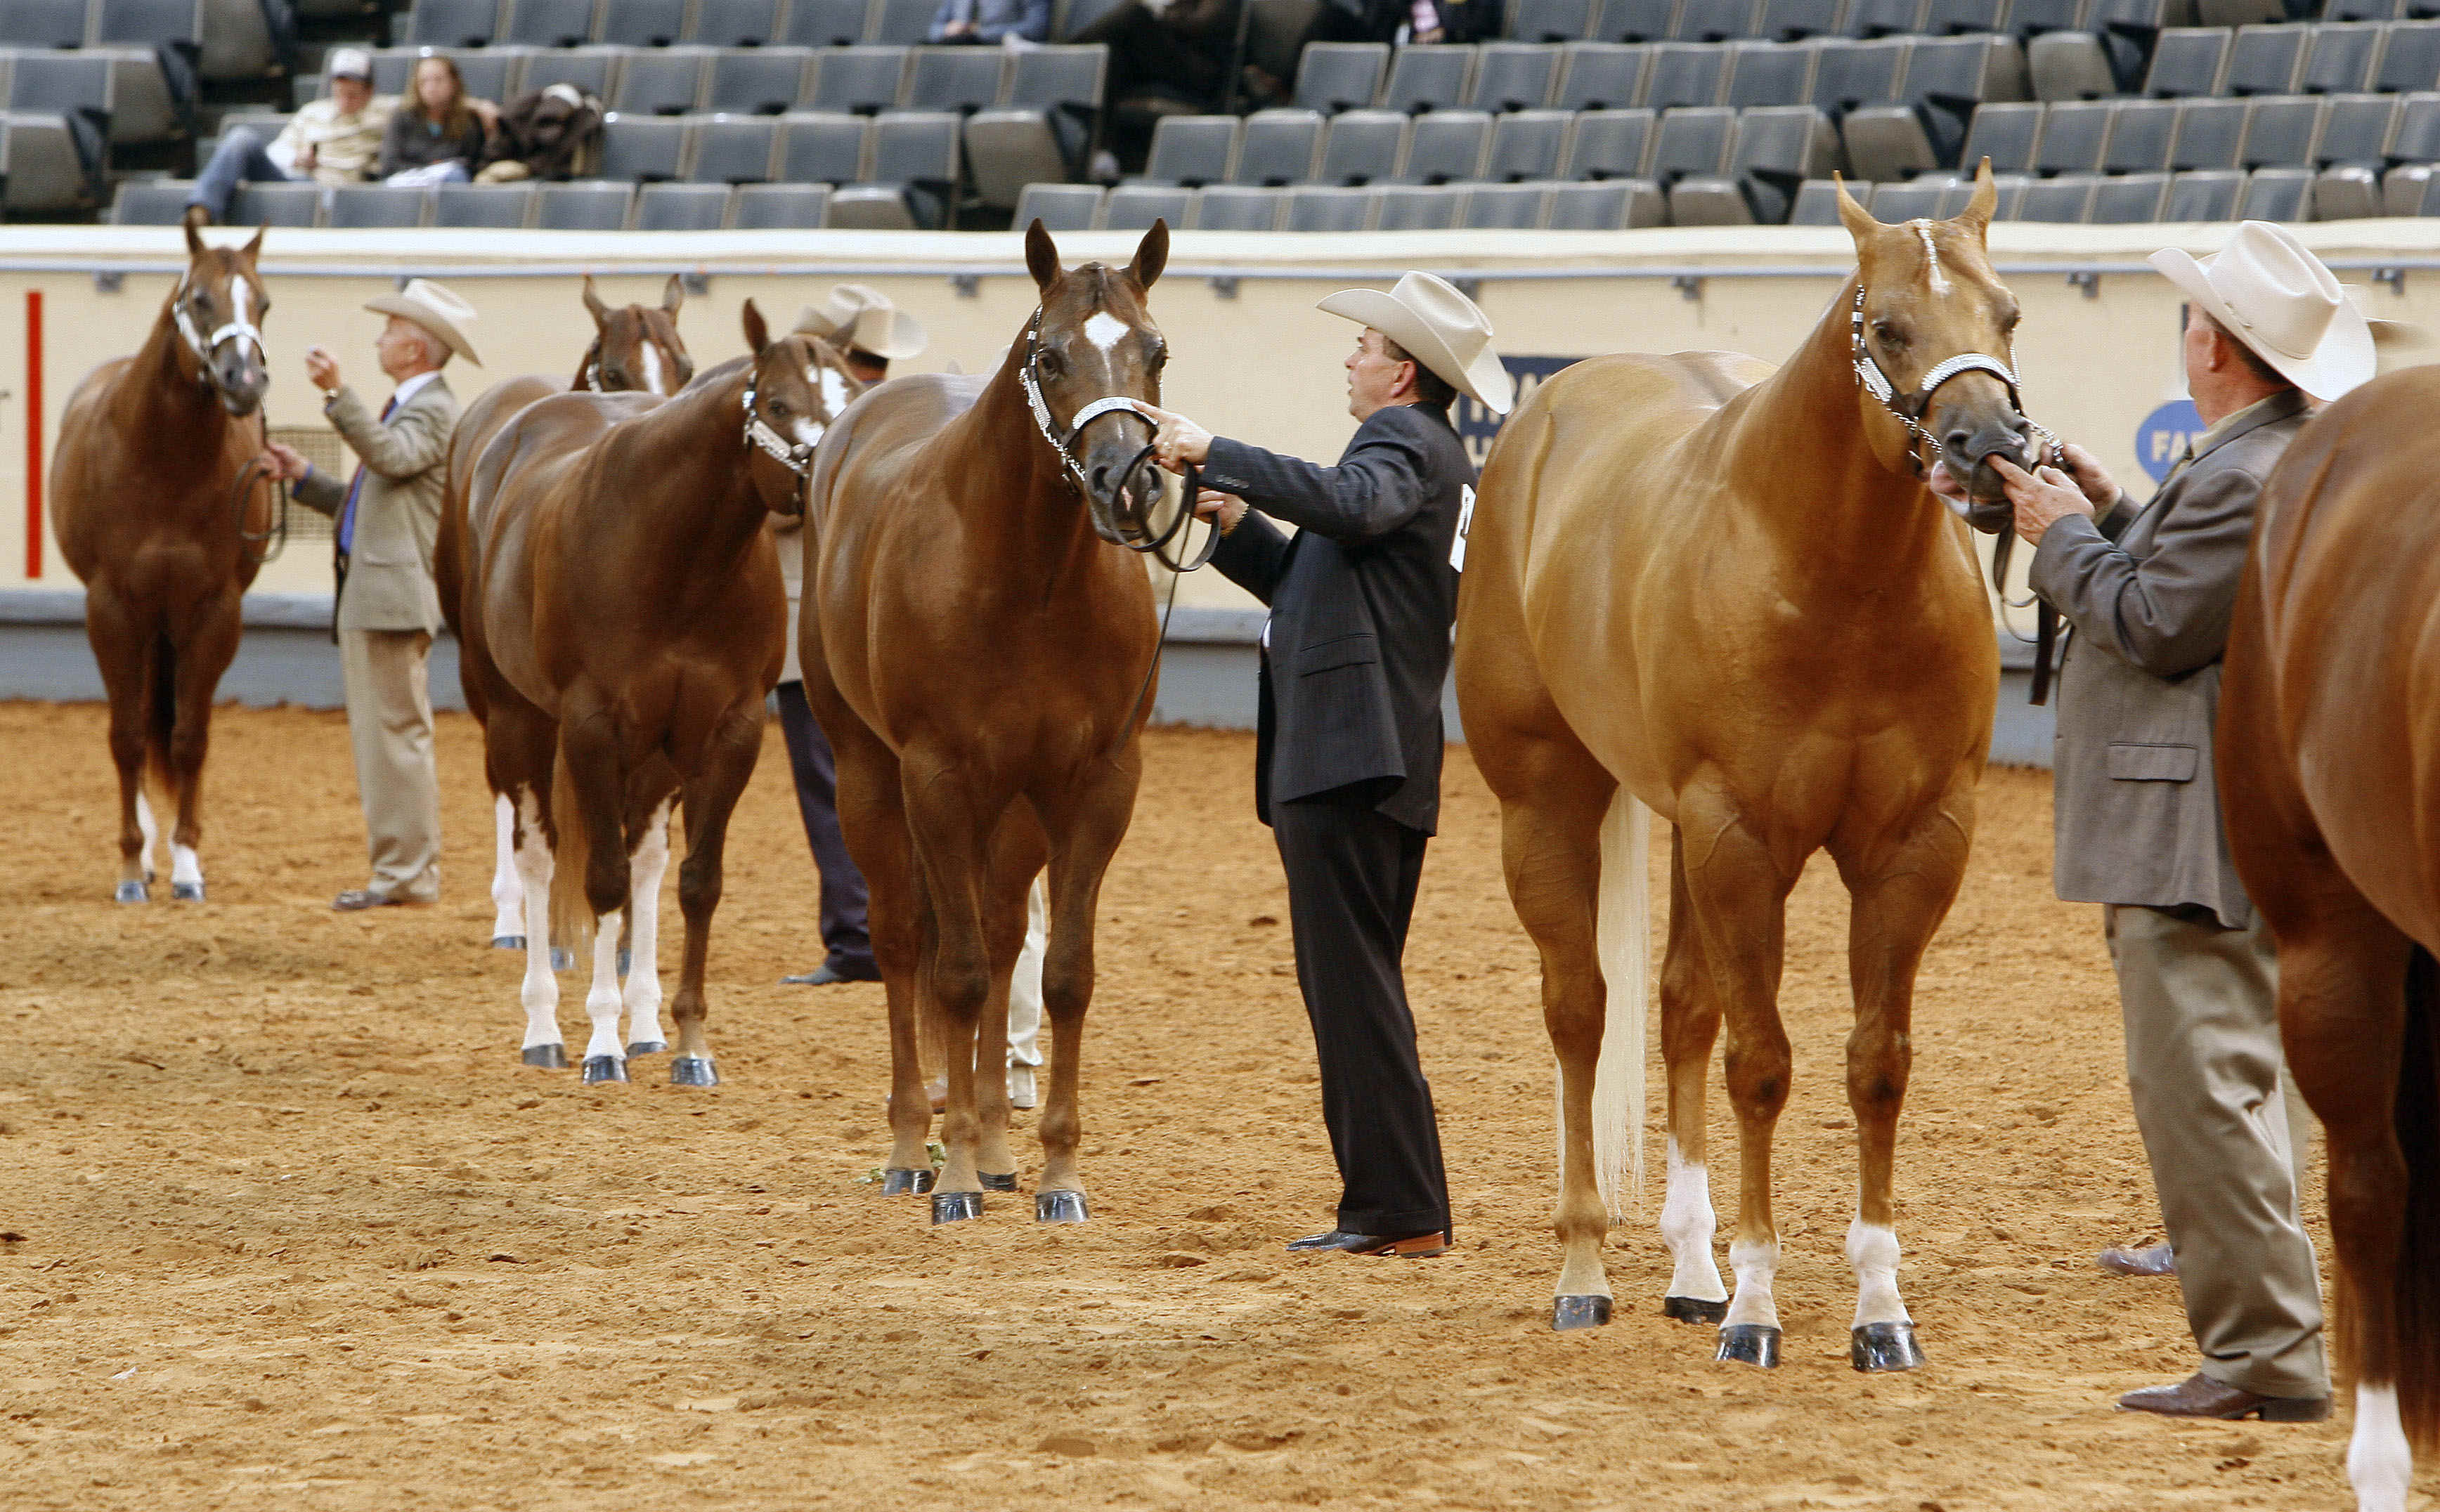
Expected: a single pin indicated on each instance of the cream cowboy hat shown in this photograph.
(436, 309)
(867, 321)
(1440, 327)
(2276, 297)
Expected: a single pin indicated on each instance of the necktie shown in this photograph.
(355, 489)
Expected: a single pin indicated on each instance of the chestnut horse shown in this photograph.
(1722, 592)
(627, 618)
(2328, 746)
(153, 493)
(635, 350)
(978, 647)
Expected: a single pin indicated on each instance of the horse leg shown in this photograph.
(1016, 856)
(508, 894)
(210, 646)
(1689, 1022)
(539, 992)
(591, 802)
(643, 972)
(124, 649)
(952, 847)
(709, 796)
(1085, 822)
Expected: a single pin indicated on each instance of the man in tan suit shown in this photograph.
(388, 608)
(2146, 593)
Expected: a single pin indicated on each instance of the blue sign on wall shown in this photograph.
(1476, 426)
(2165, 434)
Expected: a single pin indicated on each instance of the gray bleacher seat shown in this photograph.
(2265, 61)
(1584, 207)
(45, 24)
(486, 71)
(2128, 198)
(1445, 146)
(2207, 194)
(2350, 154)
(2242, 13)
(61, 82)
(734, 23)
(1041, 130)
(2069, 66)
(1817, 202)
(374, 206)
(2074, 134)
(1943, 18)
(1777, 148)
(822, 147)
(1336, 76)
(1915, 200)
(1326, 207)
(733, 149)
(2280, 131)
(548, 23)
(1059, 207)
(2338, 58)
(1549, 20)
(1513, 75)
(1528, 145)
(1192, 149)
(1636, 20)
(1415, 206)
(2128, 31)
(2347, 192)
(1609, 144)
(1682, 74)
(584, 206)
(2060, 201)
(862, 80)
(2007, 134)
(1278, 148)
(1767, 73)
(1795, 20)
(288, 204)
(2361, 10)
(2278, 194)
(1693, 141)
(660, 81)
(2007, 191)
(903, 22)
(151, 202)
(780, 208)
(1946, 77)
(53, 160)
(1427, 78)
(589, 69)
(1503, 206)
(2141, 132)
(642, 22)
(2410, 59)
(959, 79)
(1135, 207)
(2188, 61)
(1362, 147)
(1848, 75)
(681, 207)
(1884, 18)
(483, 206)
(1238, 208)
(756, 81)
(2210, 134)
(1600, 76)
(642, 147)
(157, 52)
(2414, 136)
(450, 23)
(876, 208)
(917, 152)
(1712, 20)
(825, 23)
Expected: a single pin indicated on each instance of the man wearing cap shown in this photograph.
(335, 139)
(388, 608)
(2148, 592)
(1348, 758)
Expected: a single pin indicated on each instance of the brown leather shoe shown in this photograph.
(2142, 1260)
(2198, 1396)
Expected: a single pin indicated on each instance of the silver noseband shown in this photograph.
(796, 456)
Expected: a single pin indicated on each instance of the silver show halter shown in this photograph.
(1910, 407)
(201, 345)
(796, 456)
(1154, 543)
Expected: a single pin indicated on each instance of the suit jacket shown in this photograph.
(1361, 599)
(2149, 594)
(386, 583)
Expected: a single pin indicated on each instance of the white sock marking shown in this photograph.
(643, 988)
(1687, 1225)
(1873, 1250)
(152, 831)
(508, 894)
(186, 868)
(539, 991)
(601, 1000)
(1755, 1265)
(1104, 330)
(1931, 257)
(652, 357)
(2380, 1464)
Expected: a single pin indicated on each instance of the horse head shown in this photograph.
(217, 307)
(1933, 333)
(1091, 348)
(797, 388)
(635, 347)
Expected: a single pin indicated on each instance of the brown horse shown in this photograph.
(634, 350)
(627, 618)
(979, 649)
(155, 493)
(2329, 740)
(1723, 592)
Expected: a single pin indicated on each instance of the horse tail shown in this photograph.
(571, 912)
(2415, 1120)
(1622, 935)
(160, 707)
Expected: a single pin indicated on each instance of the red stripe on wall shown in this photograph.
(33, 435)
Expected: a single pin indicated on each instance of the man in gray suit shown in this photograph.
(2146, 593)
(388, 607)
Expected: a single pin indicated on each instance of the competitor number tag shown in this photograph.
(1464, 524)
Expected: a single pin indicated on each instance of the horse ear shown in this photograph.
(672, 294)
(194, 241)
(1041, 255)
(1152, 255)
(758, 335)
(254, 248)
(1858, 220)
(601, 312)
(1976, 217)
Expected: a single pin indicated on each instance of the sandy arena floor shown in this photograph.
(287, 1224)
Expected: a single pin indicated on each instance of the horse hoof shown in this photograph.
(133, 893)
(999, 1180)
(645, 1047)
(604, 1068)
(186, 892)
(561, 960)
(1060, 1207)
(552, 1056)
(508, 942)
(1884, 1346)
(623, 962)
(901, 1181)
(1750, 1344)
(1694, 1310)
(1578, 1312)
(956, 1207)
(693, 1071)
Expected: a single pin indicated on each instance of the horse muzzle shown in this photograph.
(1122, 489)
(1967, 445)
(241, 384)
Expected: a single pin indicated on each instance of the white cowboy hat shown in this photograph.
(865, 319)
(1440, 327)
(2276, 297)
(434, 308)
(350, 62)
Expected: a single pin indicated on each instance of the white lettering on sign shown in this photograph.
(2167, 446)
(1464, 524)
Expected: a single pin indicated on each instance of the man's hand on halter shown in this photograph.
(322, 368)
(2043, 497)
(1178, 443)
(1225, 508)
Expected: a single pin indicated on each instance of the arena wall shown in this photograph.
(1252, 358)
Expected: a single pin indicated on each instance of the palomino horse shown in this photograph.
(628, 622)
(979, 650)
(2328, 740)
(155, 495)
(635, 350)
(1722, 592)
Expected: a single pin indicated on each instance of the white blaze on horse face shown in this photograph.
(1931, 257)
(2381, 1463)
(1686, 1226)
(1873, 1252)
(1104, 330)
(1756, 1266)
(644, 872)
(651, 358)
(508, 895)
(540, 992)
(833, 385)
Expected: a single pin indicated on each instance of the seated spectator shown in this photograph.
(1167, 58)
(436, 135)
(539, 135)
(1402, 22)
(993, 22)
(333, 140)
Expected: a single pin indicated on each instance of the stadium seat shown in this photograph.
(1192, 149)
(2279, 132)
(2209, 194)
(822, 147)
(2028, 19)
(583, 206)
(1042, 130)
(585, 68)
(157, 52)
(2060, 201)
(1884, 18)
(2210, 134)
(2128, 198)
(1135, 207)
(1278, 148)
(1238, 208)
(1777, 148)
(1336, 76)
(1851, 75)
(1513, 75)
(450, 23)
(965, 79)
(1692, 141)
(2127, 29)
(2414, 136)
(151, 202)
(1068, 17)
(756, 81)
(1795, 20)
(660, 81)
(483, 206)
(2278, 194)
(1427, 77)
(1323, 207)
(2338, 58)
(2359, 9)
(681, 207)
(1362, 147)
(640, 148)
(736, 23)
(1945, 79)
(858, 79)
(642, 22)
(2410, 59)
(1600, 76)
(876, 208)
(1447, 146)
(1547, 21)
(547, 23)
(1636, 20)
(782, 207)
(285, 204)
(901, 23)
(1712, 20)
(43, 24)
(62, 83)
(1915, 200)
(2074, 134)
(2188, 61)
(733, 149)
(2350, 154)
(1767, 73)
(2265, 61)
(1817, 202)
(1528, 145)
(1614, 206)
(1609, 144)
(1059, 207)
(2242, 13)
(2005, 134)
(2069, 66)
(2141, 132)
(1948, 18)
(2008, 194)
(1684, 73)
(825, 23)
(1415, 206)
(375, 207)
(1503, 207)
(916, 150)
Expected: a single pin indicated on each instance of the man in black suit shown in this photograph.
(1347, 765)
